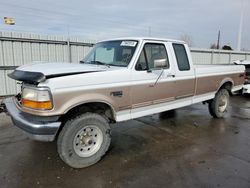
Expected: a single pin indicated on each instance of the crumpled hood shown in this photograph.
(60, 68)
(36, 73)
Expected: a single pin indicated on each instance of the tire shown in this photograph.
(84, 140)
(218, 106)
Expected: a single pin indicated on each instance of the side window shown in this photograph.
(150, 54)
(141, 63)
(181, 57)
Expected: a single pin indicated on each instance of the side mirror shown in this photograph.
(160, 63)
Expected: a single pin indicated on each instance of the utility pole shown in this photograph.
(240, 27)
(218, 41)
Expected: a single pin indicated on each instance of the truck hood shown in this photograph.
(36, 73)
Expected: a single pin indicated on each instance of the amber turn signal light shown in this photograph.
(37, 105)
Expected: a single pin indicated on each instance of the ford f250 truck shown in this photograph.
(119, 80)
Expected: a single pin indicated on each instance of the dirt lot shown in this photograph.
(185, 148)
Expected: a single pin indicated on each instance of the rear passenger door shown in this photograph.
(185, 76)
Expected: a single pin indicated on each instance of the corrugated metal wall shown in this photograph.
(21, 48)
(211, 56)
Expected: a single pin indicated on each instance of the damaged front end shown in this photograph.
(2, 108)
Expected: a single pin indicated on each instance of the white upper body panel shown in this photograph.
(101, 76)
(212, 70)
(59, 68)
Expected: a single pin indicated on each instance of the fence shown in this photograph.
(20, 48)
(211, 56)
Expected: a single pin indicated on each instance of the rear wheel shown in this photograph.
(218, 106)
(84, 140)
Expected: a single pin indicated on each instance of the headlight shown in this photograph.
(36, 98)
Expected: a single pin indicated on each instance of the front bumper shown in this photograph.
(36, 127)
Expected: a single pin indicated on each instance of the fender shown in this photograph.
(225, 80)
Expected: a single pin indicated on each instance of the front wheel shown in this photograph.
(84, 140)
(218, 106)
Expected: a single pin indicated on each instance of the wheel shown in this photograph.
(84, 140)
(218, 106)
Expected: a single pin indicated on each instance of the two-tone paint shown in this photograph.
(131, 93)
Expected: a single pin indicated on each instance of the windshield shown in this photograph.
(112, 53)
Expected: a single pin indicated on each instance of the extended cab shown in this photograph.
(118, 80)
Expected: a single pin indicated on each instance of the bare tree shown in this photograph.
(187, 38)
(213, 46)
(227, 47)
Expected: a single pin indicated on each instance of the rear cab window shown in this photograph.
(149, 54)
(181, 57)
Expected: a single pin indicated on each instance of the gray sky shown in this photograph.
(93, 19)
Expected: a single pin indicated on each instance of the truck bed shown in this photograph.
(205, 70)
(210, 77)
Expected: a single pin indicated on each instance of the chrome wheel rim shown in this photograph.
(223, 102)
(88, 141)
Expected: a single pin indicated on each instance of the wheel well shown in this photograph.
(95, 107)
(228, 86)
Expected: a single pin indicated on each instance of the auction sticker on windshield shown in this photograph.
(129, 43)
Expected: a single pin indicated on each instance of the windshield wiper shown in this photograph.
(117, 65)
(98, 63)
(82, 61)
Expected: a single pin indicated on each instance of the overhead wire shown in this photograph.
(106, 21)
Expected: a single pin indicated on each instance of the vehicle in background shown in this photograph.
(246, 86)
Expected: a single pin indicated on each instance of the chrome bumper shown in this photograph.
(36, 127)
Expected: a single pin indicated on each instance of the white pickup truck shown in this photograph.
(119, 80)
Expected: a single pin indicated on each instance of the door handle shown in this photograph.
(171, 75)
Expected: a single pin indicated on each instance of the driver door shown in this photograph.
(152, 80)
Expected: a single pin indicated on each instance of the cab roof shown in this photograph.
(145, 38)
